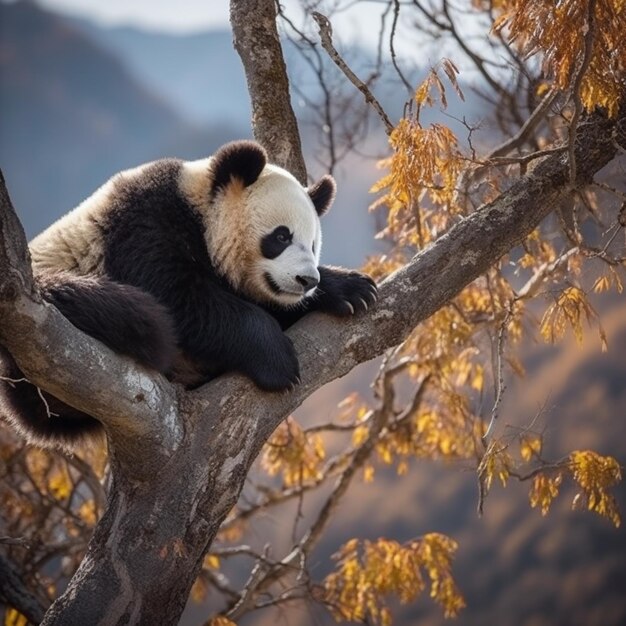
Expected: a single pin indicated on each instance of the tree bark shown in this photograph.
(14, 593)
(179, 459)
(273, 121)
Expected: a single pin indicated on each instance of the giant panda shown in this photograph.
(193, 269)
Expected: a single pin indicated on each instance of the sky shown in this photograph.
(353, 23)
(196, 15)
(167, 15)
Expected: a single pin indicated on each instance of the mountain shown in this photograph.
(199, 75)
(72, 115)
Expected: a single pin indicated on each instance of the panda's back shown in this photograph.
(77, 242)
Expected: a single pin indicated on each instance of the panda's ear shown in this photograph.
(322, 194)
(239, 160)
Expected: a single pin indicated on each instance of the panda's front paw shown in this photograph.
(270, 359)
(346, 292)
(279, 369)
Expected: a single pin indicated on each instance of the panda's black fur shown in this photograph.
(153, 291)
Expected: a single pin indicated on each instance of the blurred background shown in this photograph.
(91, 88)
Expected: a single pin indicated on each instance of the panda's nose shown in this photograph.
(308, 282)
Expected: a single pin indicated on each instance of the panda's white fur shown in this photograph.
(75, 242)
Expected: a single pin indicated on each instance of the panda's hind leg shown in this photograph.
(126, 319)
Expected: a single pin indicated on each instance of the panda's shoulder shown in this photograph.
(160, 175)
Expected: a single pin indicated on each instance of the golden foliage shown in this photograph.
(420, 188)
(14, 618)
(199, 590)
(595, 474)
(496, 463)
(571, 307)
(428, 434)
(608, 281)
(432, 86)
(530, 446)
(294, 454)
(370, 572)
(49, 473)
(559, 32)
(543, 490)
(211, 561)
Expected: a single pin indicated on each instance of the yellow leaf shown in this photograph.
(360, 435)
(87, 512)
(199, 591)
(602, 284)
(294, 454)
(595, 474)
(14, 618)
(543, 490)
(212, 561)
(530, 446)
(220, 620)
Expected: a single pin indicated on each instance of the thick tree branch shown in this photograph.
(273, 121)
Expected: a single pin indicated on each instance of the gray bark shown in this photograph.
(273, 121)
(14, 593)
(179, 459)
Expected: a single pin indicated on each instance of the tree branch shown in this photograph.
(328, 348)
(327, 43)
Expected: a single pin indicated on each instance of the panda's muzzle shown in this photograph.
(308, 283)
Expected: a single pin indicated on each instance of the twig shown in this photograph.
(327, 43)
(394, 24)
(43, 399)
(498, 374)
(15, 541)
(531, 287)
(578, 79)
(523, 159)
(526, 129)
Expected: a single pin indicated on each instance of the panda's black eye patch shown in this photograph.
(275, 242)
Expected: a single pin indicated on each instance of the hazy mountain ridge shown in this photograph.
(72, 115)
(199, 75)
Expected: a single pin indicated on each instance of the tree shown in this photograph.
(179, 459)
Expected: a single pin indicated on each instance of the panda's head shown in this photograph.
(262, 226)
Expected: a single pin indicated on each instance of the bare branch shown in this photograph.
(327, 43)
(526, 129)
(15, 593)
(578, 79)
